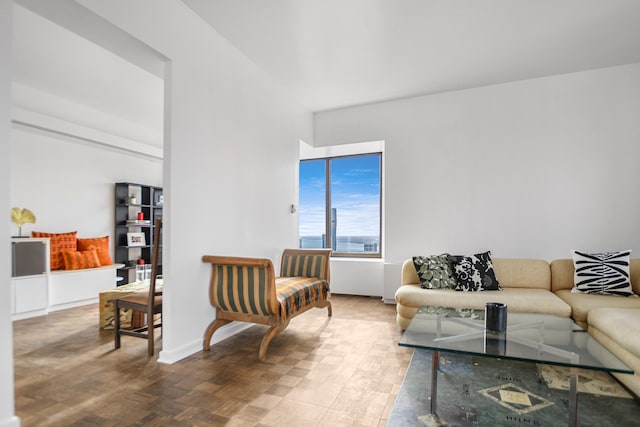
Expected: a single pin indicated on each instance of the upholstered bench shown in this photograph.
(247, 290)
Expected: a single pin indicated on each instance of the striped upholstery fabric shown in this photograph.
(246, 289)
(304, 265)
(296, 293)
(242, 289)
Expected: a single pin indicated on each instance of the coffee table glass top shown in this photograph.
(530, 337)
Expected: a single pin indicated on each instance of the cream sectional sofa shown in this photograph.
(537, 286)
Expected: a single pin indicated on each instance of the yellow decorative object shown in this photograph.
(21, 217)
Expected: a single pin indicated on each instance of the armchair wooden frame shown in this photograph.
(147, 301)
(247, 290)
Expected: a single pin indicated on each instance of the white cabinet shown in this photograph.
(30, 277)
(71, 288)
(35, 290)
(30, 297)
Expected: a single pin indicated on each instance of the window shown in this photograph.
(340, 204)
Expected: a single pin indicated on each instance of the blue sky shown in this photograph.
(355, 183)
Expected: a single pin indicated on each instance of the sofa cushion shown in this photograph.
(562, 274)
(474, 272)
(617, 330)
(619, 324)
(101, 246)
(602, 273)
(58, 242)
(435, 271)
(519, 300)
(77, 260)
(583, 304)
(522, 273)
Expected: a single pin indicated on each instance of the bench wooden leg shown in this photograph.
(268, 336)
(213, 326)
(323, 304)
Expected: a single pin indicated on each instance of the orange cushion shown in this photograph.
(101, 246)
(76, 260)
(58, 242)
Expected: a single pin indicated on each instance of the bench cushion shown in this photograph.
(297, 293)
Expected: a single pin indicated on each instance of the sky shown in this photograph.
(355, 193)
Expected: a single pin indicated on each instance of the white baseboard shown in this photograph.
(10, 422)
(227, 331)
(28, 314)
(64, 306)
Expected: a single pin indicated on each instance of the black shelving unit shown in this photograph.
(130, 199)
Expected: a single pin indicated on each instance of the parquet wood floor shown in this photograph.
(343, 372)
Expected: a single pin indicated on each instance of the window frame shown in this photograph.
(327, 204)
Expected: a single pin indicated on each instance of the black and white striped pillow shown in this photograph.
(602, 273)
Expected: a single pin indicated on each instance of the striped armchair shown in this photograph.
(246, 289)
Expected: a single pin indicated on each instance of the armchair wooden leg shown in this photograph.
(329, 309)
(213, 326)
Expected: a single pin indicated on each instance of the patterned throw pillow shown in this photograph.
(602, 273)
(434, 271)
(58, 242)
(101, 246)
(77, 260)
(475, 272)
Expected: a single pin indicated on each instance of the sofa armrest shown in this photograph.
(409, 275)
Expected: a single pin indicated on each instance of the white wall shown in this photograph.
(526, 169)
(69, 185)
(7, 411)
(231, 147)
(357, 277)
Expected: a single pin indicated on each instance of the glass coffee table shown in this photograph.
(529, 337)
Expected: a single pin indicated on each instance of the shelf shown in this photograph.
(129, 205)
(132, 267)
(149, 201)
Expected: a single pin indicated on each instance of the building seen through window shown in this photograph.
(340, 204)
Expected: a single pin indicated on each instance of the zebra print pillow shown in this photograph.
(602, 273)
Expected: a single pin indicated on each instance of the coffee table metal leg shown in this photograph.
(573, 397)
(435, 365)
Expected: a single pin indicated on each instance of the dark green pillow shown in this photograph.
(435, 272)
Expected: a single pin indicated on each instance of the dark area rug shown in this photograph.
(480, 391)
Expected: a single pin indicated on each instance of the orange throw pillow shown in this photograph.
(101, 246)
(58, 242)
(76, 260)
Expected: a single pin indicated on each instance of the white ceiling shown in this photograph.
(337, 53)
(52, 59)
